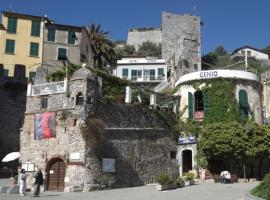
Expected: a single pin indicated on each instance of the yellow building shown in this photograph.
(21, 42)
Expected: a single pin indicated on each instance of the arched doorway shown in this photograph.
(186, 160)
(56, 171)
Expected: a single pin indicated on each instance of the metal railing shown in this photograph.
(47, 88)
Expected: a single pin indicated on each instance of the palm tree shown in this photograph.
(103, 48)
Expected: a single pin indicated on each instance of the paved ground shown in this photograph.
(201, 191)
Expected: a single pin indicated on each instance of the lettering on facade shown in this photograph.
(209, 74)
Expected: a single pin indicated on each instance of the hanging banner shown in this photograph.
(45, 125)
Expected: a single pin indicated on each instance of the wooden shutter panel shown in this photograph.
(190, 105)
(243, 102)
(205, 104)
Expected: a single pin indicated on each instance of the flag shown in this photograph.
(45, 125)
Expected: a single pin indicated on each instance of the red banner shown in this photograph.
(45, 125)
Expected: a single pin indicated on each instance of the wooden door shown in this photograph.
(56, 175)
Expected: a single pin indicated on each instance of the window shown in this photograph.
(79, 99)
(10, 46)
(51, 35)
(35, 30)
(71, 37)
(160, 72)
(32, 76)
(243, 53)
(34, 49)
(243, 104)
(44, 102)
(173, 154)
(19, 72)
(199, 104)
(6, 72)
(248, 53)
(125, 73)
(62, 54)
(152, 74)
(136, 74)
(12, 25)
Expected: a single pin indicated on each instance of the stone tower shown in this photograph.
(181, 43)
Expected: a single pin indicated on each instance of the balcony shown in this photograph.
(47, 88)
(147, 78)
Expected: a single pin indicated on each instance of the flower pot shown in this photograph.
(162, 187)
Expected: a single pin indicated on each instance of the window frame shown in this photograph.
(34, 31)
(44, 102)
(7, 47)
(48, 34)
(125, 70)
(12, 25)
(70, 39)
(32, 48)
(58, 53)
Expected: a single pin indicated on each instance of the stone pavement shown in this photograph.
(201, 191)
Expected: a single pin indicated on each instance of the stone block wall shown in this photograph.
(181, 42)
(136, 37)
(12, 107)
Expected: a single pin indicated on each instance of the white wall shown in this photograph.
(257, 54)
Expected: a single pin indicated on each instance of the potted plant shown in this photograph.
(163, 180)
(180, 182)
(189, 178)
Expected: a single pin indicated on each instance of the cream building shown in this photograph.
(21, 42)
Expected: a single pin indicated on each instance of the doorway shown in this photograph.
(187, 160)
(56, 171)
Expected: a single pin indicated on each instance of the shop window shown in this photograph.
(44, 102)
(79, 99)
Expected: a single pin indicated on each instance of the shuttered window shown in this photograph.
(125, 73)
(12, 25)
(152, 74)
(51, 35)
(34, 49)
(243, 103)
(160, 72)
(62, 54)
(71, 37)
(190, 106)
(10, 46)
(35, 30)
(32, 76)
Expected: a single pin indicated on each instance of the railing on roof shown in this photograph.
(47, 88)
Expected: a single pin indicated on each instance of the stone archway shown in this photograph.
(56, 171)
(186, 160)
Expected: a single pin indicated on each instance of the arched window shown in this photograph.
(79, 99)
(199, 102)
(243, 104)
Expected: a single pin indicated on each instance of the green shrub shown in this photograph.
(263, 190)
(180, 182)
(163, 178)
(189, 176)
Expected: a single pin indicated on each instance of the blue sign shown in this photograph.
(187, 140)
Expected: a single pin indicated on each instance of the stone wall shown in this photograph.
(181, 43)
(136, 37)
(12, 107)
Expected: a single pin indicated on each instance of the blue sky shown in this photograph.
(232, 23)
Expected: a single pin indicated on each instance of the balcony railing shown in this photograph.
(147, 78)
(47, 88)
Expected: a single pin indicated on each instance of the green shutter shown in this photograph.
(205, 104)
(10, 46)
(32, 76)
(34, 47)
(190, 106)
(51, 35)
(62, 54)
(160, 71)
(71, 37)
(12, 25)
(152, 74)
(5, 72)
(133, 74)
(243, 103)
(125, 73)
(35, 30)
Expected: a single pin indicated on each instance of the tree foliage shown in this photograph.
(101, 45)
(266, 49)
(150, 49)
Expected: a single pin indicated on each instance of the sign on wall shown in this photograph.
(45, 125)
(28, 167)
(187, 140)
(109, 165)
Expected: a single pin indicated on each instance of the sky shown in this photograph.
(231, 23)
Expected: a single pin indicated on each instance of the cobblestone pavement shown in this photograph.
(200, 191)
